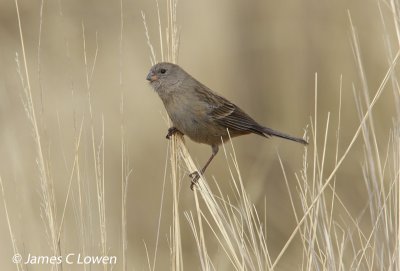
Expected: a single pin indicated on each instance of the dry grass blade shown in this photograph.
(47, 192)
(172, 42)
(19, 265)
(332, 174)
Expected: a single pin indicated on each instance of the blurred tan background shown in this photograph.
(262, 55)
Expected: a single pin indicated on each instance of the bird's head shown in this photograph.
(165, 76)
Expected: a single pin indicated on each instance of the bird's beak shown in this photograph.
(151, 77)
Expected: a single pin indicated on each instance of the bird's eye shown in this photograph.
(163, 71)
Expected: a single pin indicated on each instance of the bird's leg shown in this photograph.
(171, 131)
(196, 175)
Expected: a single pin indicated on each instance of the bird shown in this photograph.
(201, 114)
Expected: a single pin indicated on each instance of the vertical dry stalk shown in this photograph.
(177, 258)
(19, 266)
(125, 168)
(46, 182)
(172, 49)
(97, 150)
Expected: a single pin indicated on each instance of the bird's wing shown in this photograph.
(232, 117)
(227, 114)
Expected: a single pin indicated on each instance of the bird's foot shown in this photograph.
(171, 132)
(195, 178)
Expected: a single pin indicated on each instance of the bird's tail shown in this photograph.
(267, 132)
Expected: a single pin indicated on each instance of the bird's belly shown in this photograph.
(199, 129)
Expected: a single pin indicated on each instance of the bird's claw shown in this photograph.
(171, 131)
(195, 178)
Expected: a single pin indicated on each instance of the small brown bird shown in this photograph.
(200, 113)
